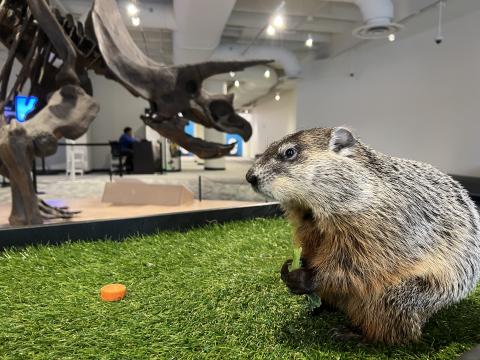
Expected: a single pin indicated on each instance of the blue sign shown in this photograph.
(189, 129)
(238, 149)
(24, 105)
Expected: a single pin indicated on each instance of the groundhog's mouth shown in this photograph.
(267, 195)
(256, 189)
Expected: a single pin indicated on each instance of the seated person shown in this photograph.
(126, 144)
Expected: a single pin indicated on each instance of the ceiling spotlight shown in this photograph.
(135, 21)
(391, 37)
(232, 74)
(236, 83)
(271, 30)
(180, 114)
(309, 41)
(266, 74)
(132, 9)
(278, 22)
(277, 97)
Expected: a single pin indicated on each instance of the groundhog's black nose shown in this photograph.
(252, 178)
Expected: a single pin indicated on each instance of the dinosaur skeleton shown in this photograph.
(56, 52)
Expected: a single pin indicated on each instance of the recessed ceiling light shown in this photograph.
(237, 83)
(277, 96)
(309, 41)
(232, 74)
(271, 30)
(391, 37)
(180, 114)
(135, 21)
(132, 9)
(267, 74)
(279, 22)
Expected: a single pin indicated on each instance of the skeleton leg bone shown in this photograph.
(68, 114)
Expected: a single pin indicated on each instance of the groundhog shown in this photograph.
(388, 241)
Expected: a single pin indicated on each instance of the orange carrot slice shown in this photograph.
(113, 292)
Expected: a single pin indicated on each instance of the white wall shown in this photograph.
(118, 109)
(411, 98)
(272, 120)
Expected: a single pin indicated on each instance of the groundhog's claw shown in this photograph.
(300, 281)
(344, 333)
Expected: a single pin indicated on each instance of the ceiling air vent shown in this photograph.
(370, 31)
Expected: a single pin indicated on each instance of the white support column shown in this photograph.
(213, 135)
(218, 137)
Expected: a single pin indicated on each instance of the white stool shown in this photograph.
(76, 159)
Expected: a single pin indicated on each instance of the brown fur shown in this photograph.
(357, 295)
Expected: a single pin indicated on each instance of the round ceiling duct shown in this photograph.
(376, 31)
(378, 19)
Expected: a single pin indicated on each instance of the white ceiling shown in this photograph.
(321, 19)
(330, 23)
(155, 43)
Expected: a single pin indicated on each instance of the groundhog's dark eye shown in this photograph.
(290, 153)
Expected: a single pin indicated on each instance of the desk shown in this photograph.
(143, 158)
(143, 162)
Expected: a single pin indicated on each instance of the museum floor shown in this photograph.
(216, 185)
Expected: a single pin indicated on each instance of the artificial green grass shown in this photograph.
(209, 293)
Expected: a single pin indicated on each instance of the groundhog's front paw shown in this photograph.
(346, 333)
(300, 281)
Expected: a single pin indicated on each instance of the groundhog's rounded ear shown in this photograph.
(341, 138)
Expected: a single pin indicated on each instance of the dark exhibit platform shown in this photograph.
(120, 227)
(471, 184)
